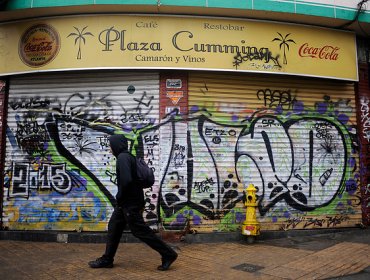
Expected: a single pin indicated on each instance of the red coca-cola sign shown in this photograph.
(326, 52)
(39, 45)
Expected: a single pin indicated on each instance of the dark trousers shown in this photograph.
(133, 217)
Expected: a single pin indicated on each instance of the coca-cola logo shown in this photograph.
(39, 45)
(326, 52)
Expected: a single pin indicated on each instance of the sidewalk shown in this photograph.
(321, 256)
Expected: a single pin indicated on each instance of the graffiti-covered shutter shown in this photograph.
(363, 115)
(293, 138)
(59, 173)
(174, 152)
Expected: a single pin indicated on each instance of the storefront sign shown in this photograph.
(173, 83)
(39, 45)
(175, 95)
(152, 42)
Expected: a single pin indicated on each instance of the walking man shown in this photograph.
(129, 210)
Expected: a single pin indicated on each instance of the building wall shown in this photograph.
(207, 139)
(364, 139)
(293, 138)
(340, 9)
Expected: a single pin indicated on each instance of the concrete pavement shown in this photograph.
(342, 255)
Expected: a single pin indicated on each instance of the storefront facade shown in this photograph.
(212, 104)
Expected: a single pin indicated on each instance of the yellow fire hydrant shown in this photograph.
(251, 226)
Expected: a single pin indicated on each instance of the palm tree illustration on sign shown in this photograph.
(284, 43)
(80, 38)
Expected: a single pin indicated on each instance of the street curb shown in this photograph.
(62, 237)
(267, 235)
(127, 237)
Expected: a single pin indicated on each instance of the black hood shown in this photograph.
(118, 143)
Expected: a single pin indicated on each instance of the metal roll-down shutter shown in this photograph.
(59, 173)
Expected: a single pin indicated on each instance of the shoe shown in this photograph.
(166, 263)
(101, 263)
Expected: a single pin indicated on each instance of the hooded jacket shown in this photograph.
(128, 194)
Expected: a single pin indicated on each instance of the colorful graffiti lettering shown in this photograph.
(297, 159)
